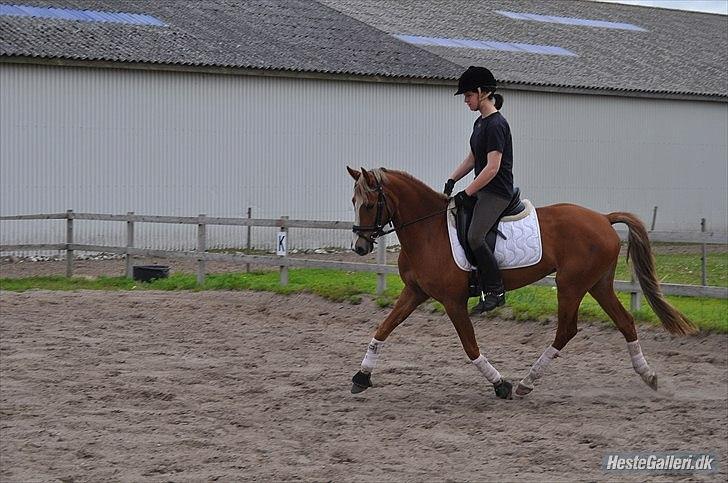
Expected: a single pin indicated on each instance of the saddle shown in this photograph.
(463, 218)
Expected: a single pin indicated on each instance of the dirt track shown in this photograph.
(160, 386)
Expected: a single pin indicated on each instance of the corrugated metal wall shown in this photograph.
(113, 141)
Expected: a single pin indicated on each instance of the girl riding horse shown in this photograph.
(578, 244)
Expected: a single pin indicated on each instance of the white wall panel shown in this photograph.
(117, 140)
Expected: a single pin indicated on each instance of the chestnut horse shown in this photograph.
(579, 245)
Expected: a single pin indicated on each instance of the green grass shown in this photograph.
(528, 303)
(539, 303)
(685, 269)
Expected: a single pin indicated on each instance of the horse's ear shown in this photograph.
(368, 178)
(353, 173)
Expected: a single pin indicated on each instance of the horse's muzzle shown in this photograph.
(362, 246)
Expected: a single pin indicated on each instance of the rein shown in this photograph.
(377, 229)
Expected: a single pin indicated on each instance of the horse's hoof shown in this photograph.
(522, 390)
(651, 380)
(503, 389)
(360, 382)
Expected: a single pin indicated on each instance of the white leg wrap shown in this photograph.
(488, 370)
(539, 366)
(638, 360)
(370, 359)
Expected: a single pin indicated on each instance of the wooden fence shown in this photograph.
(381, 268)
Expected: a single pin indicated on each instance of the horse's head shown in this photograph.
(371, 209)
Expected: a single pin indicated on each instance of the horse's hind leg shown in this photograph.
(603, 292)
(410, 298)
(569, 299)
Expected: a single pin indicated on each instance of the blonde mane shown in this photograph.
(383, 176)
(361, 188)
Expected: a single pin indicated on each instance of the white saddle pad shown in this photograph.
(521, 248)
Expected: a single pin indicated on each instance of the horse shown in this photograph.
(578, 244)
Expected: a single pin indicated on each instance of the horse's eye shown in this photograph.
(369, 206)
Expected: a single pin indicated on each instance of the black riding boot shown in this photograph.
(494, 295)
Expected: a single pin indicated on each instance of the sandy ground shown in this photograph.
(230, 386)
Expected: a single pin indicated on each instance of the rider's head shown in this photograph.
(479, 85)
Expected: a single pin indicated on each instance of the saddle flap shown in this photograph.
(463, 218)
(520, 245)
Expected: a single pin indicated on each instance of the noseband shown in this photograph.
(377, 229)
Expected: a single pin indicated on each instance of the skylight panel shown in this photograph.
(485, 45)
(80, 15)
(571, 21)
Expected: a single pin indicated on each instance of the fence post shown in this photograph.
(129, 244)
(634, 297)
(201, 247)
(382, 259)
(69, 242)
(704, 259)
(284, 269)
(654, 219)
(247, 243)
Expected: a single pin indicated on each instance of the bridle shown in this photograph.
(377, 229)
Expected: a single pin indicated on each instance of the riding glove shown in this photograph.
(449, 185)
(464, 199)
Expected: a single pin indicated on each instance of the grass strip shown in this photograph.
(528, 303)
(684, 269)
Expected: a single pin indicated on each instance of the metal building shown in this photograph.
(223, 107)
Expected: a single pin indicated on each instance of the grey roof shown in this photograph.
(295, 35)
(679, 53)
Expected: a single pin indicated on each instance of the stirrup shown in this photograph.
(489, 301)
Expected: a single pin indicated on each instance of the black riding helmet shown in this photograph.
(476, 77)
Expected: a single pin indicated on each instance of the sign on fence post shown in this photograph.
(129, 244)
(382, 259)
(201, 247)
(281, 244)
(69, 242)
(281, 248)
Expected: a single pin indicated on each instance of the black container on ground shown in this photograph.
(147, 273)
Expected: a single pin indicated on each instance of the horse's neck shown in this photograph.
(416, 202)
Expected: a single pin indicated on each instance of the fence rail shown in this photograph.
(710, 238)
(381, 268)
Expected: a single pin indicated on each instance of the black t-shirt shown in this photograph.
(493, 133)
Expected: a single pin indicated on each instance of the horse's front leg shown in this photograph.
(458, 313)
(410, 298)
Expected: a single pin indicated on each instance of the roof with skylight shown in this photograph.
(571, 21)
(485, 45)
(79, 15)
(567, 44)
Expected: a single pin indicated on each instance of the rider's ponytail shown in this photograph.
(498, 101)
(496, 98)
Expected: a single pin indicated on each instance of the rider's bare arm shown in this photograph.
(464, 168)
(488, 173)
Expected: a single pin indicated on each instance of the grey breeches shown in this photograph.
(485, 214)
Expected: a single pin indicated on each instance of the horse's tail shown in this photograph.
(644, 267)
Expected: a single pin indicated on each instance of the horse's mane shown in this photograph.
(361, 188)
(382, 176)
